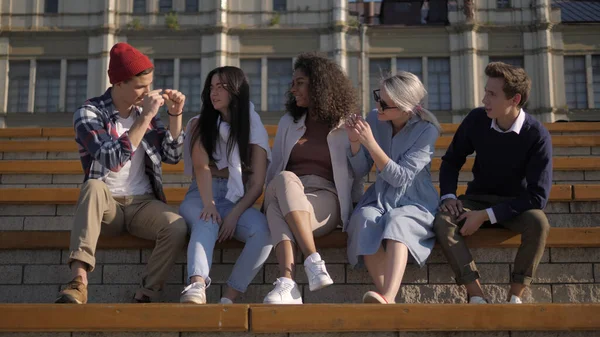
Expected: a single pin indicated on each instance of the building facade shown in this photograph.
(55, 53)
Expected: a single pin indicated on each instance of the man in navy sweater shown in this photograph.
(512, 177)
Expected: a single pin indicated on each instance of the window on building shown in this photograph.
(503, 3)
(190, 84)
(163, 74)
(438, 86)
(191, 5)
(596, 76)
(412, 65)
(76, 84)
(47, 86)
(51, 6)
(139, 6)
(575, 82)
(378, 68)
(165, 6)
(279, 73)
(516, 61)
(279, 5)
(251, 68)
(18, 86)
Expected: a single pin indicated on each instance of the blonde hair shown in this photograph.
(407, 92)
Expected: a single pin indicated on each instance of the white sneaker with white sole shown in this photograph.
(286, 291)
(477, 300)
(225, 300)
(515, 300)
(318, 277)
(194, 293)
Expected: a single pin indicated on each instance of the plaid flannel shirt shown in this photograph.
(101, 149)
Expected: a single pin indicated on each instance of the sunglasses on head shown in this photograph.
(382, 104)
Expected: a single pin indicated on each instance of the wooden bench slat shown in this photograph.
(573, 127)
(41, 167)
(442, 143)
(322, 318)
(65, 195)
(74, 166)
(429, 317)
(123, 317)
(483, 238)
(39, 146)
(575, 141)
(575, 163)
(58, 132)
(20, 132)
(586, 192)
(272, 129)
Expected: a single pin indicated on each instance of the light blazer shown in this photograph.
(349, 188)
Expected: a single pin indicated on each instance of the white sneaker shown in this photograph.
(194, 293)
(515, 300)
(318, 277)
(285, 292)
(225, 300)
(477, 300)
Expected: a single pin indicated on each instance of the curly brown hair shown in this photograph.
(332, 96)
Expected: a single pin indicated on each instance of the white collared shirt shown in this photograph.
(516, 128)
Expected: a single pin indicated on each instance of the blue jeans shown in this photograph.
(251, 228)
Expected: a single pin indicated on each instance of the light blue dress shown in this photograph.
(401, 204)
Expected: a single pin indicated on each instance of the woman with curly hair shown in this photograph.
(309, 182)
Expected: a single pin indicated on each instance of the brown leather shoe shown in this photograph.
(74, 292)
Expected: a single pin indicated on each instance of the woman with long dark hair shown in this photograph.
(309, 183)
(227, 153)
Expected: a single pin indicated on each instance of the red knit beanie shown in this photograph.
(126, 62)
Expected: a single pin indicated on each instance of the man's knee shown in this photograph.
(536, 223)
(176, 229)
(94, 185)
(442, 223)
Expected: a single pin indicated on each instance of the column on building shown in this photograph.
(99, 52)
(215, 45)
(340, 14)
(467, 46)
(544, 64)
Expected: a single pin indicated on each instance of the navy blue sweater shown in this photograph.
(506, 164)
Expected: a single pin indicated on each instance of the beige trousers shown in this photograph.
(143, 216)
(287, 193)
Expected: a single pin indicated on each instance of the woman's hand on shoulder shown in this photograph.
(350, 125)
(365, 134)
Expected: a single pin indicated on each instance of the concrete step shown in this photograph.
(565, 275)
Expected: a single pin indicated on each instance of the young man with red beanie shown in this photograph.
(122, 143)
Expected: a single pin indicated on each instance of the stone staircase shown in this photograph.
(39, 179)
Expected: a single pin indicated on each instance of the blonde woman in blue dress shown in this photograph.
(394, 217)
